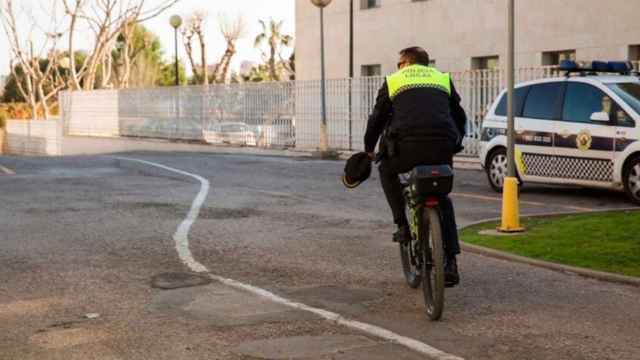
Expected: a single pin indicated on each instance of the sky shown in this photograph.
(251, 10)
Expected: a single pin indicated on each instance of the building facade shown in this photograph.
(464, 34)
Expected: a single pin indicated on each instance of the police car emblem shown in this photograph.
(583, 140)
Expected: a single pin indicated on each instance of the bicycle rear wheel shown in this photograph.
(410, 255)
(432, 263)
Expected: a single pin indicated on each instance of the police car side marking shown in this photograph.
(560, 140)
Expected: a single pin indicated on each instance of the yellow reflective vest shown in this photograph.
(418, 76)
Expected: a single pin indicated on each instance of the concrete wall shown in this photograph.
(455, 31)
(37, 137)
(91, 112)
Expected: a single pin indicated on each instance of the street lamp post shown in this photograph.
(510, 208)
(324, 139)
(176, 22)
(351, 75)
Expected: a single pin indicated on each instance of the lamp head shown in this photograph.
(321, 3)
(175, 21)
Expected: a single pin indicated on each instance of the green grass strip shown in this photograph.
(600, 241)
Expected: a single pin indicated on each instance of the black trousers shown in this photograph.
(407, 156)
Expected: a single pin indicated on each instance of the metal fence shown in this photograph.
(282, 114)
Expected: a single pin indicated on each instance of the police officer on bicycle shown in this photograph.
(419, 117)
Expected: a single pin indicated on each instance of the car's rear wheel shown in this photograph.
(496, 168)
(631, 179)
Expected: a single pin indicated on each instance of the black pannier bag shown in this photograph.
(431, 180)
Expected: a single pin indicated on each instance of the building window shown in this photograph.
(634, 56)
(634, 52)
(552, 58)
(369, 4)
(371, 70)
(485, 63)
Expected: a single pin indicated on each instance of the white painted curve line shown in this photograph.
(373, 330)
(181, 236)
(182, 245)
(7, 171)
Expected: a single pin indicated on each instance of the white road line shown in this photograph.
(7, 171)
(182, 245)
(181, 236)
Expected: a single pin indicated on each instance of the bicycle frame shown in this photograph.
(431, 202)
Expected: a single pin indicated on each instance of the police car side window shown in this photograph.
(543, 101)
(520, 95)
(621, 118)
(582, 100)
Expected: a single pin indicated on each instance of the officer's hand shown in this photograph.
(372, 156)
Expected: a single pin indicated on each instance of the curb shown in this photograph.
(459, 162)
(587, 273)
(132, 144)
(120, 145)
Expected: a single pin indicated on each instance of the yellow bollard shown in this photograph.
(510, 207)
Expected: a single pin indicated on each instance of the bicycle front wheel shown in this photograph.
(410, 257)
(432, 263)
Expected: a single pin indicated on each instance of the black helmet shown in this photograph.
(357, 170)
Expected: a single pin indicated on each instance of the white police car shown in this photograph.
(581, 129)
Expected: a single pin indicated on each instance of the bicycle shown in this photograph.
(423, 257)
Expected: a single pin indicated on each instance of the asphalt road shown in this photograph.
(86, 235)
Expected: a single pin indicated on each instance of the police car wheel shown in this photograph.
(631, 178)
(497, 169)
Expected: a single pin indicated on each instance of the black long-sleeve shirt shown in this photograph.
(409, 111)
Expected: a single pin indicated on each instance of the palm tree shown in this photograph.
(273, 36)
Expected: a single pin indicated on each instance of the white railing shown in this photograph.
(283, 114)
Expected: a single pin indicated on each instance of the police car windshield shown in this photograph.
(629, 92)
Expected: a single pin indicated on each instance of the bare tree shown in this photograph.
(37, 75)
(107, 19)
(232, 30)
(194, 27)
(187, 38)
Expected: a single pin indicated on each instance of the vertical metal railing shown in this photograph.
(276, 114)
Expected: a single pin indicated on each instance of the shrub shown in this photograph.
(23, 110)
(16, 110)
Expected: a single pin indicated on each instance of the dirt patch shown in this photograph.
(336, 294)
(149, 205)
(226, 213)
(169, 281)
(28, 307)
(66, 338)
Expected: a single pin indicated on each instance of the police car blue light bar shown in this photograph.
(617, 67)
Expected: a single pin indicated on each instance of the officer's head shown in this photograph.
(414, 55)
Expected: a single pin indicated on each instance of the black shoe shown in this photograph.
(451, 275)
(402, 235)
